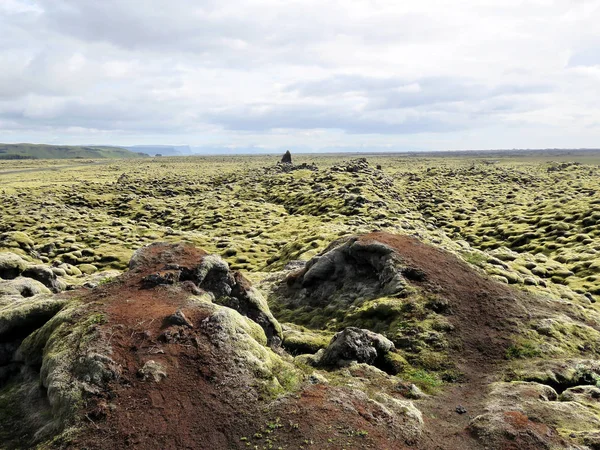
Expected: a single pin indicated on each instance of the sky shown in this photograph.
(312, 75)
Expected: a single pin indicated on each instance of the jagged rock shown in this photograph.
(209, 273)
(46, 276)
(355, 344)
(346, 270)
(153, 370)
(11, 265)
(160, 278)
(286, 158)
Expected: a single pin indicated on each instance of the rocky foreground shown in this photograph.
(382, 342)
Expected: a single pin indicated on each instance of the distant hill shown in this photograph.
(163, 150)
(41, 151)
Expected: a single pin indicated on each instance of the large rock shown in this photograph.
(286, 158)
(347, 270)
(170, 264)
(355, 344)
(24, 287)
(16, 239)
(46, 276)
(26, 315)
(11, 265)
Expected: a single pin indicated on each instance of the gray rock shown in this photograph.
(46, 276)
(179, 319)
(153, 370)
(25, 287)
(11, 265)
(355, 344)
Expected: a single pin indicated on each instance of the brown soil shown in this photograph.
(188, 409)
(481, 313)
(194, 407)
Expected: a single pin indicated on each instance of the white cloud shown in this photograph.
(302, 73)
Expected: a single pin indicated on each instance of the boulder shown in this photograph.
(26, 315)
(11, 265)
(355, 344)
(16, 239)
(46, 276)
(349, 269)
(25, 287)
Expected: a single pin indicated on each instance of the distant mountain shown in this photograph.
(42, 151)
(164, 150)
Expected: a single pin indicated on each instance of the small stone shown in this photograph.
(154, 370)
(316, 378)
(179, 319)
(461, 409)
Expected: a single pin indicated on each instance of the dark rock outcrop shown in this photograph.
(173, 264)
(346, 270)
(46, 276)
(355, 344)
(286, 158)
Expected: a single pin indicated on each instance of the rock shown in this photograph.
(355, 344)
(295, 264)
(348, 269)
(72, 354)
(286, 158)
(298, 340)
(16, 239)
(26, 315)
(46, 276)
(527, 413)
(408, 420)
(59, 272)
(209, 273)
(25, 287)
(160, 278)
(460, 409)
(11, 265)
(87, 269)
(179, 319)
(246, 343)
(586, 395)
(153, 370)
(411, 391)
(317, 378)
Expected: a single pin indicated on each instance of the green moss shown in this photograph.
(523, 349)
(428, 381)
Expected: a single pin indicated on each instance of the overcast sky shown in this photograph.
(306, 74)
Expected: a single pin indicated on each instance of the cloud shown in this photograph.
(305, 73)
